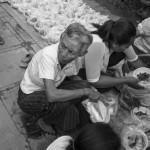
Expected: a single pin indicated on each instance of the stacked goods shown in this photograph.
(51, 17)
(143, 41)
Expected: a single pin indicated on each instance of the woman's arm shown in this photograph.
(106, 81)
(137, 63)
(133, 58)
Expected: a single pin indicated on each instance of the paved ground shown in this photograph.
(20, 38)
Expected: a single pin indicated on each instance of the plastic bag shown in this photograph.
(127, 99)
(134, 138)
(102, 110)
(98, 111)
(143, 42)
(141, 114)
(131, 97)
(143, 96)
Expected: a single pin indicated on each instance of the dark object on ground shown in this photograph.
(128, 101)
(146, 59)
(140, 9)
(129, 5)
(2, 42)
(144, 12)
(25, 61)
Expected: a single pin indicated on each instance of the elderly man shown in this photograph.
(43, 92)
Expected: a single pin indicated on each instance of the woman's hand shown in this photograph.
(132, 80)
(134, 83)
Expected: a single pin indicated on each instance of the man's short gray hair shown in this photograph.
(77, 31)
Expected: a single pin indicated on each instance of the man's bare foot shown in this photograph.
(45, 127)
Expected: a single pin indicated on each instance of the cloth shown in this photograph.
(60, 143)
(62, 115)
(44, 64)
(97, 58)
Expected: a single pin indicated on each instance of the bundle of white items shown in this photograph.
(51, 17)
(102, 110)
(143, 42)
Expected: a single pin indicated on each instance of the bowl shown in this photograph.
(141, 70)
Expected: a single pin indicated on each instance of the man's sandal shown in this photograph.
(27, 58)
(2, 41)
(32, 128)
(23, 65)
(25, 61)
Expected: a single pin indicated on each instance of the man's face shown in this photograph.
(69, 50)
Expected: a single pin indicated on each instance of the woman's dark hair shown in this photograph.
(120, 31)
(97, 136)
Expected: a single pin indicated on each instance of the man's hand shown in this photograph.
(93, 94)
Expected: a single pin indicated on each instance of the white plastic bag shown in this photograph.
(143, 42)
(102, 110)
(134, 138)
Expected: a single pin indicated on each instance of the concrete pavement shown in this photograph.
(20, 39)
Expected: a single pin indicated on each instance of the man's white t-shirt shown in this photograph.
(97, 58)
(45, 65)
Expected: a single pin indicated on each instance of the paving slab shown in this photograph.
(3, 14)
(10, 138)
(10, 72)
(21, 32)
(10, 40)
(21, 20)
(9, 96)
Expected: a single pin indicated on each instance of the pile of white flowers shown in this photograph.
(51, 17)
